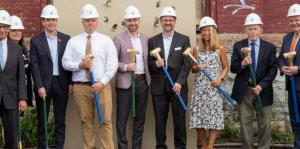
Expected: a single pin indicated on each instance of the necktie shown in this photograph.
(1, 56)
(253, 55)
(88, 51)
(294, 42)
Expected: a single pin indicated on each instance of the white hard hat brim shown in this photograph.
(49, 17)
(20, 28)
(89, 17)
(131, 17)
(5, 23)
(253, 24)
(293, 15)
(213, 25)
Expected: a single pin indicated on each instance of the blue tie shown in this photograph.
(1, 56)
(253, 55)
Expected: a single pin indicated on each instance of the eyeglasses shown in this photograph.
(4, 26)
(168, 20)
(16, 30)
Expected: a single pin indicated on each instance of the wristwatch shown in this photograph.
(222, 79)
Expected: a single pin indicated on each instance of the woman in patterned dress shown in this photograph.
(207, 107)
(16, 35)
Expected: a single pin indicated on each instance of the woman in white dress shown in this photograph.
(207, 107)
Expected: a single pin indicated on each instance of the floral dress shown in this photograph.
(207, 104)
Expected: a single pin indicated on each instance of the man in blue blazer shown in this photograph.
(264, 63)
(291, 43)
(13, 92)
(50, 79)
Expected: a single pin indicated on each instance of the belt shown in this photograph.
(83, 83)
(139, 75)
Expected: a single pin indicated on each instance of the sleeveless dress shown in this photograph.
(207, 104)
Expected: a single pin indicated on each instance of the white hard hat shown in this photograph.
(88, 11)
(253, 19)
(294, 10)
(207, 21)
(4, 17)
(131, 12)
(16, 23)
(168, 11)
(49, 12)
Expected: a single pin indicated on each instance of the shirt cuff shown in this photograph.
(125, 67)
(104, 81)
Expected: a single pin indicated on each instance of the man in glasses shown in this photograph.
(172, 45)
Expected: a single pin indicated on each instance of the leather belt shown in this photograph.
(83, 83)
(139, 75)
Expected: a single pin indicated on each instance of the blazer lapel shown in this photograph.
(144, 48)
(297, 48)
(59, 45)
(173, 44)
(46, 46)
(128, 40)
(9, 55)
(244, 44)
(161, 45)
(261, 52)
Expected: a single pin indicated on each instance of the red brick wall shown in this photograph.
(29, 11)
(273, 13)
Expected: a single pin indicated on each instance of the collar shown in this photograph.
(85, 34)
(165, 36)
(136, 36)
(296, 33)
(52, 37)
(257, 42)
(4, 41)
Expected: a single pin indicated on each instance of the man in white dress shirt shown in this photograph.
(104, 66)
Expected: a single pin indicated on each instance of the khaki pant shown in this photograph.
(85, 102)
(246, 111)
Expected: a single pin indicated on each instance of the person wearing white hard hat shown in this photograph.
(290, 43)
(172, 45)
(206, 112)
(16, 35)
(262, 60)
(51, 81)
(131, 38)
(13, 93)
(104, 65)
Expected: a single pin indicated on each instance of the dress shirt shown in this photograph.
(105, 62)
(4, 47)
(167, 40)
(256, 47)
(52, 43)
(137, 44)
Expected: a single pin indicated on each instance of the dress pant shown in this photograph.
(246, 111)
(60, 100)
(10, 125)
(85, 103)
(295, 126)
(161, 106)
(124, 107)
